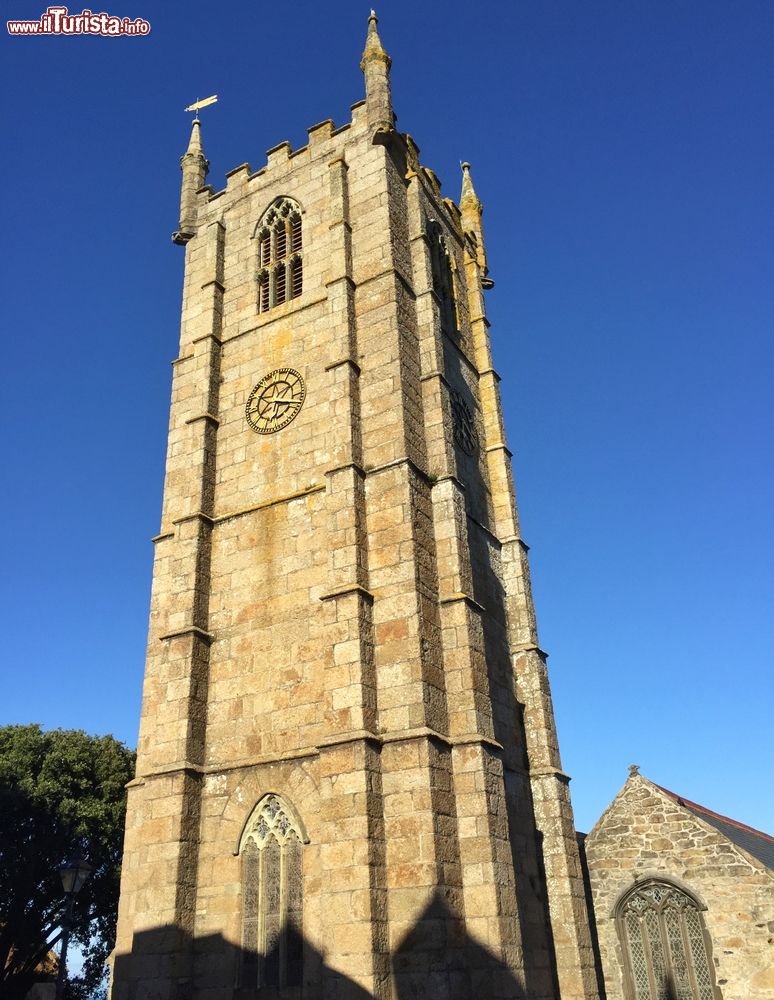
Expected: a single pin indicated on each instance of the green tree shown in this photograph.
(60, 791)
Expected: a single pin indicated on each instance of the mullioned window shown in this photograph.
(280, 255)
(664, 944)
(271, 849)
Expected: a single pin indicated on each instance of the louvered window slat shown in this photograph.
(297, 277)
(265, 248)
(280, 241)
(263, 291)
(280, 284)
(295, 233)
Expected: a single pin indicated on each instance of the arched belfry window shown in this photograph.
(664, 944)
(271, 848)
(280, 254)
(444, 266)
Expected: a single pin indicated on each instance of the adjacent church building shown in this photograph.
(348, 777)
(683, 899)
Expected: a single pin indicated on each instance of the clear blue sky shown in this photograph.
(624, 154)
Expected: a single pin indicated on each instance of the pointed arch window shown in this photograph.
(271, 848)
(444, 266)
(280, 255)
(664, 944)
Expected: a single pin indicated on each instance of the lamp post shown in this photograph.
(74, 874)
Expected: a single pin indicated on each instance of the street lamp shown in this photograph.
(74, 874)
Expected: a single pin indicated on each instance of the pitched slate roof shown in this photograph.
(755, 842)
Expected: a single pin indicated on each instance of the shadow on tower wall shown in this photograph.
(166, 963)
(426, 964)
(592, 915)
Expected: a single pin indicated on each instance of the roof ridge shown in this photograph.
(681, 800)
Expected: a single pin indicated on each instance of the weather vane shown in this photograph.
(202, 104)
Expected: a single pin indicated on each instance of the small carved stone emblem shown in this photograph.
(463, 426)
(275, 401)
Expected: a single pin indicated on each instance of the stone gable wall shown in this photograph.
(645, 834)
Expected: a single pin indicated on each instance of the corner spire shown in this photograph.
(471, 211)
(195, 142)
(373, 47)
(468, 195)
(375, 65)
(194, 165)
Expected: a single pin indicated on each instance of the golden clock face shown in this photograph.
(275, 401)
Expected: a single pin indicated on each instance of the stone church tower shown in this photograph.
(348, 782)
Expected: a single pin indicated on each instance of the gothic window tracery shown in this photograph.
(272, 896)
(662, 936)
(280, 255)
